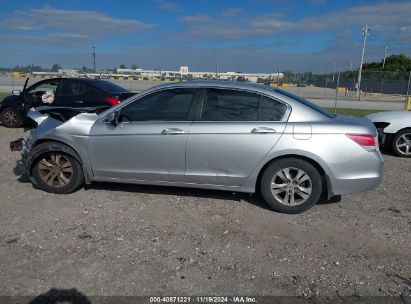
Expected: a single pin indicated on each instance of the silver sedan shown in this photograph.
(209, 134)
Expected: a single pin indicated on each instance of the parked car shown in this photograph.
(62, 93)
(394, 130)
(209, 134)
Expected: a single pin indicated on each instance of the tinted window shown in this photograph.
(271, 110)
(73, 88)
(45, 86)
(168, 105)
(230, 105)
(109, 86)
(305, 102)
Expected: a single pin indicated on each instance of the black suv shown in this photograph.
(65, 94)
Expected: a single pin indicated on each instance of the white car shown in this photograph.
(394, 130)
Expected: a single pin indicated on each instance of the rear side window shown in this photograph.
(233, 105)
(271, 110)
(109, 86)
(73, 88)
(230, 105)
(167, 105)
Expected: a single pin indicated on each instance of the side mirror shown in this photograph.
(113, 117)
(16, 92)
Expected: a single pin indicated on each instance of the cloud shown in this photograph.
(168, 5)
(232, 11)
(195, 18)
(383, 18)
(90, 22)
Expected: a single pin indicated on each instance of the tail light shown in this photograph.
(367, 141)
(112, 100)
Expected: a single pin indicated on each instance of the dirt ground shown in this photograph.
(111, 239)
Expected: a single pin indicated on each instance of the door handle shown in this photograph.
(263, 130)
(79, 101)
(172, 131)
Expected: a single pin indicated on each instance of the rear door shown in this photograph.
(236, 130)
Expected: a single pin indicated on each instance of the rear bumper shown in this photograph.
(367, 175)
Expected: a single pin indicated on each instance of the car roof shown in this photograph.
(217, 83)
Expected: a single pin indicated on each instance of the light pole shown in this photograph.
(94, 58)
(385, 54)
(365, 34)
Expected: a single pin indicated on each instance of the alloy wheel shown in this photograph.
(403, 144)
(10, 117)
(55, 169)
(291, 186)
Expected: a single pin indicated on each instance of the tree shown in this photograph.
(123, 66)
(55, 67)
(134, 66)
(393, 63)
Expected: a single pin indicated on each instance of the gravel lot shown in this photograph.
(114, 239)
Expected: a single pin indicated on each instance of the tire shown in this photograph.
(295, 175)
(57, 172)
(11, 118)
(401, 143)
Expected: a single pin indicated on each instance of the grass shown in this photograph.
(354, 112)
(3, 94)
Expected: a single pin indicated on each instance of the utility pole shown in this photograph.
(365, 34)
(351, 66)
(94, 58)
(335, 65)
(385, 54)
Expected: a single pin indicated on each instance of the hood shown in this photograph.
(389, 116)
(81, 123)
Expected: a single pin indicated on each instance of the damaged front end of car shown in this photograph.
(55, 133)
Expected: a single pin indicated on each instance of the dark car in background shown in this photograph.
(66, 95)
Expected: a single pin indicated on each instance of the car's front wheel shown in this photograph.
(57, 172)
(10, 118)
(291, 185)
(401, 143)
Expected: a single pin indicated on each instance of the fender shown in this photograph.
(48, 147)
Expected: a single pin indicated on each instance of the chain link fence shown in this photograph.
(375, 85)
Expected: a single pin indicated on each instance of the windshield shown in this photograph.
(305, 102)
(109, 86)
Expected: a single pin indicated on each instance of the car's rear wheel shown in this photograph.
(57, 172)
(401, 143)
(291, 185)
(10, 118)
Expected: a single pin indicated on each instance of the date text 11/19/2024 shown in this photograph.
(203, 299)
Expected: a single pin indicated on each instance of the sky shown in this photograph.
(233, 35)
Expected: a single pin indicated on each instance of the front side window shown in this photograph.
(233, 105)
(45, 86)
(167, 105)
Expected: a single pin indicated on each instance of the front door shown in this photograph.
(149, 142)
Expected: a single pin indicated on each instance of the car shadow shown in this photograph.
(253, 199)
